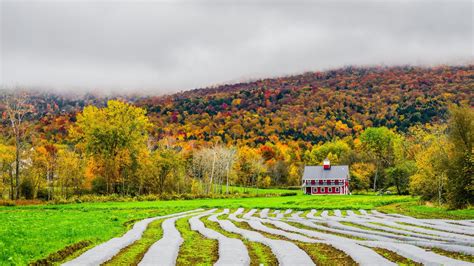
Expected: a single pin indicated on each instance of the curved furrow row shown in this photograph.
(360, 254)
(455, 246)
(390, 242)
(166, 249)
(414, 253)
(437, 224)
(107, 250)
(388, 228)
(456, 239)
(286, 252)
(291, 238)
(231, 251)
(427, 231)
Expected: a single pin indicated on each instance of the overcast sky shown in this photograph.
(166, 46)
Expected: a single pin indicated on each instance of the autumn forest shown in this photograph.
(403, 130)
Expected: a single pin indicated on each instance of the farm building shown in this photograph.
(326, 179)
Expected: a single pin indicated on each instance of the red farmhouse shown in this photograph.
(326, 179)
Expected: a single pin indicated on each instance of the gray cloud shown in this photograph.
(165, 46)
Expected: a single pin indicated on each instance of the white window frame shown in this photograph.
(337, 189)
(329, 189)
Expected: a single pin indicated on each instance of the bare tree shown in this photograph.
(212, 167)
(223, 164)
(199, 167)
(230, 160)
(16, 108)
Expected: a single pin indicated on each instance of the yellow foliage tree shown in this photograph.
(7, 168)
(113, 137)
(360, 175)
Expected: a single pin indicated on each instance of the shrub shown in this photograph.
(155, 197)
(7, 203)
(292, 188)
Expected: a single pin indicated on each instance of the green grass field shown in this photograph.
(260, 191)
(29, 233)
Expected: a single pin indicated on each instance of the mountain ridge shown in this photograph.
(315, 106)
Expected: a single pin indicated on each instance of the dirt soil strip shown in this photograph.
(107, 250)
(61, 254)
(231, 251)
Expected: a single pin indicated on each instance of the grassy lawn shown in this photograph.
(425, 211)
(28, 234)
(261, 191)
(57, 226)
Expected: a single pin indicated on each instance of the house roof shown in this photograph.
(318, 172)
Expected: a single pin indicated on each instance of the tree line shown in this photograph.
(111, 150)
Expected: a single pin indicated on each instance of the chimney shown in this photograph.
(326, 164)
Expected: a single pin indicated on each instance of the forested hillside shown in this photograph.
(313, 107)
